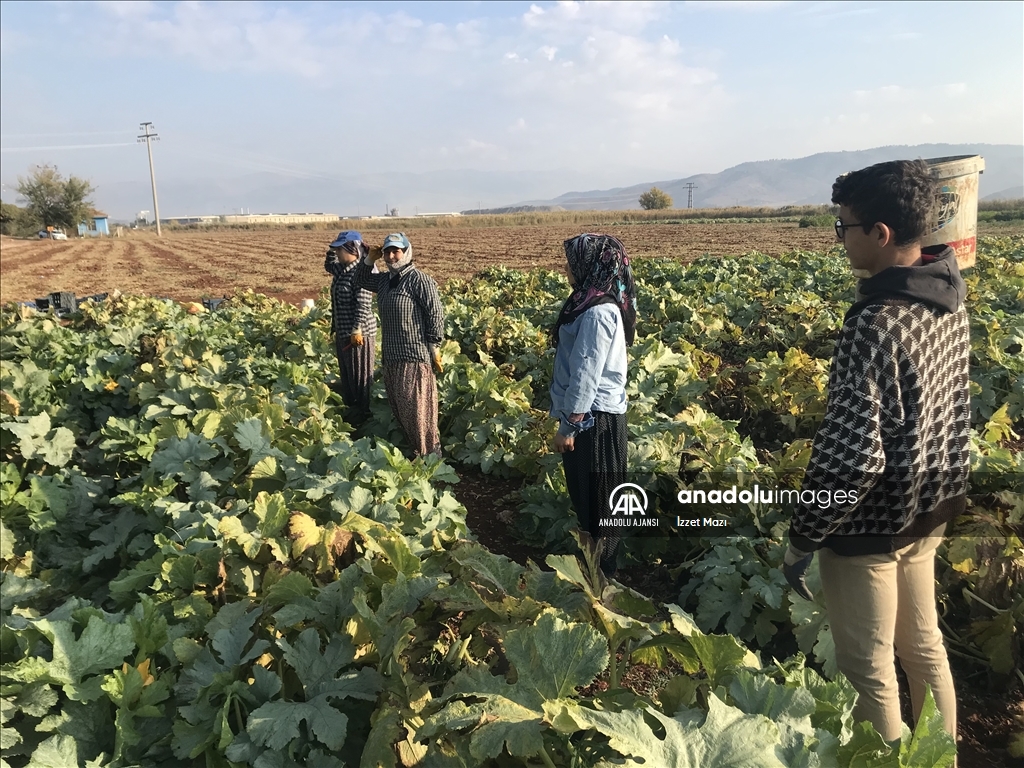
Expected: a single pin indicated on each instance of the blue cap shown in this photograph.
(396, 240)
(348, 236)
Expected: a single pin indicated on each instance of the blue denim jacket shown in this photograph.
(590, 368)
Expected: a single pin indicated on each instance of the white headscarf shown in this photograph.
(400, 265)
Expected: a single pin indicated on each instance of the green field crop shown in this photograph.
(201, 566)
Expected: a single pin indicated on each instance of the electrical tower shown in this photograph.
(149, 138)
(690, 186)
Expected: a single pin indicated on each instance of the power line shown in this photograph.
(149, 138)
(64, 146)
(690, 186)
(74, 133)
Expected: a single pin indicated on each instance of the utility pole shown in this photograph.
(149, 138)
(689, 193)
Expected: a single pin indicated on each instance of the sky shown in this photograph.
(601, 94)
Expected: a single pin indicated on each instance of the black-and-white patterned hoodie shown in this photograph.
(896, 430)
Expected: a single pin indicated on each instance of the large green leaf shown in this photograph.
(15, 590)
(791, 709)
(183, 457)
(56, 752)
(36, 699)
(6, 537)
(318, 670)
(867, 749)
(834, 699)
(249, 436)
(276, 724)
(272, 512)
(231, 631)
(810, 624)
(931, 746)
(552, 659)
(720, 655)
(507, 716)
(496, 571)
(90, 724)
(101, 647)
(727, 738)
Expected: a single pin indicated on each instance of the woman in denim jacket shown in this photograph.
(588, 385)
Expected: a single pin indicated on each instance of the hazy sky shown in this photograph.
(611, 93)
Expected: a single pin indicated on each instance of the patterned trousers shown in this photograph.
(412, 394)
(356, 367)
(595, 466)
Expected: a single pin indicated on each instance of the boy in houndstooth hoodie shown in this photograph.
(895, 438)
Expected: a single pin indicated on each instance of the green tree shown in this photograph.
(16, 221)
(655, 200)
(54, 200)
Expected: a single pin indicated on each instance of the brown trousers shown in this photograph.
(882, 607)
(412, 394)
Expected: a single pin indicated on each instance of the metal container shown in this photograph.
(956, 222)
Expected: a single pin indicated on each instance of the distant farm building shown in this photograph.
(255, 218)
(97, 226)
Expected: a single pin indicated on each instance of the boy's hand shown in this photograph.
(794, 568)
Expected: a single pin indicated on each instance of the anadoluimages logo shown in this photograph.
(628, 499)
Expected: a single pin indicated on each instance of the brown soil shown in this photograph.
(288, 264)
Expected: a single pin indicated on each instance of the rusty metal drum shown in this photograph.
(956, 221)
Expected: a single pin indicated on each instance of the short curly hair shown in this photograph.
(901, 194)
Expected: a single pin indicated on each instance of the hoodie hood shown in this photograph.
(936, 282)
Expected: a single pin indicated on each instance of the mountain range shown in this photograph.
(803, 181)
(768, 182)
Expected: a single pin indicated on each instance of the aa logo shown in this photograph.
(628, 499)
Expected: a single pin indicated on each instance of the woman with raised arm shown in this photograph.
(412, 327)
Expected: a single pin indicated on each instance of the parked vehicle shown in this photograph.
(54, 233)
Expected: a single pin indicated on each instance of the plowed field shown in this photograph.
(288, 264)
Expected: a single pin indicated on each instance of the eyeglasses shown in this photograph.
(841, 228)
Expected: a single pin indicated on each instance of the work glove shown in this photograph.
(370, 254)
(794, 568)
(437, 361)
(356, 339)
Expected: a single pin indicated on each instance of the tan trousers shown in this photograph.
(880, 607)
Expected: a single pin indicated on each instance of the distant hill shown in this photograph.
(1013, 193)
(515, 209)
(803, 181)
(806, 180)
